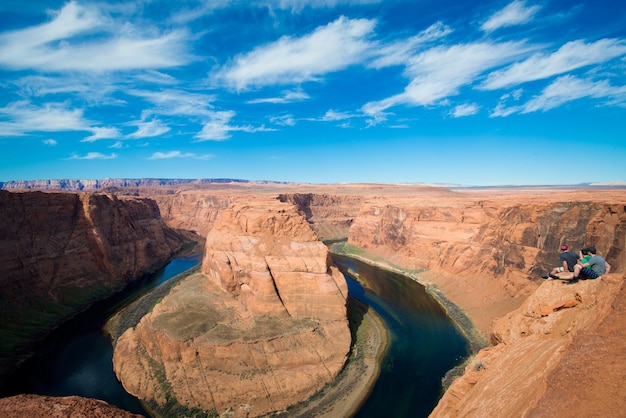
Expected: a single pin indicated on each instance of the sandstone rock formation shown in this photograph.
(481, 249)
(192, 210)
(21, 406)
(62, 251)
(265, 325)
(510, 378)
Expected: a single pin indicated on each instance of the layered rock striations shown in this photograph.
(192, 210)
(330, 215)
(481, 252)
(263, 327)
(62, 251)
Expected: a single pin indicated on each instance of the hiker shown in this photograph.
(568, 261)
(593, 268)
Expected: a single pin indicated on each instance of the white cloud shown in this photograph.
(572, 55)
(50, 142)
(93, 156)
(102, 133)
(288, 96)
(284, 120)
(467, 109)
(171, 154)
(24, 117)
(149, 129)
(118, 145)
(563, 90)
(299, 5)
(218, 128)
(399, 52)
(175, 102)
(440, 72)
(80, 38)
(568, 88)
(295, 60)
(516, 13)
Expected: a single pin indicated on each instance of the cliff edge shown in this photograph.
(60, 252)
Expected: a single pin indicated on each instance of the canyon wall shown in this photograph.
(62, 251)
(484, 238)
(263, 326)
(193, 210)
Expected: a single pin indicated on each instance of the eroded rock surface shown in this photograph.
(62, 251)
(265, 325)
(22, 406)
(510, 378)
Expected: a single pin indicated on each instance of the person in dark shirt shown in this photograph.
(593, 268)
(568, 261)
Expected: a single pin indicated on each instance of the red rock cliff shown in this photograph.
(61, 251)
(265, 326)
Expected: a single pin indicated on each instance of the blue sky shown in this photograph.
(320, 91)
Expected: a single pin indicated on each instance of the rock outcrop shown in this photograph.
(263, 327)
(21, 406)
(62, 251)
(510, 378)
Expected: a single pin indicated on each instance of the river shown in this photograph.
(424, 345)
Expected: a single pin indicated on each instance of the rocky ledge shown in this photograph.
(263, 327)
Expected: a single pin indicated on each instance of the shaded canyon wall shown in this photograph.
(61, 251)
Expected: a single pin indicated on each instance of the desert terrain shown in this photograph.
(484, 250)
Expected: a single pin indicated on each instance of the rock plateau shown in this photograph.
(263, 327)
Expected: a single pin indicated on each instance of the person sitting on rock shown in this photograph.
(568, 261)
(584, 256)
(593, 268)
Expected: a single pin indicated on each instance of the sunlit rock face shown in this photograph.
(262, 327)
(61, 251)
(494, 237)
(511, 377)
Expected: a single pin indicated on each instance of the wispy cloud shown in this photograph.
(93, 156)
(440, 72)
(563, 90)
(401, 51)
(290, 60)
(572, 55)
(50, 142)
(175, 102)
(515, 13)
(24, 117)
(288, 96)
(467, 109)
(102, 133)
(569, 88)
(283, 120)
(149, 129)
(178, 154)
(218, 128)
(82, 38)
